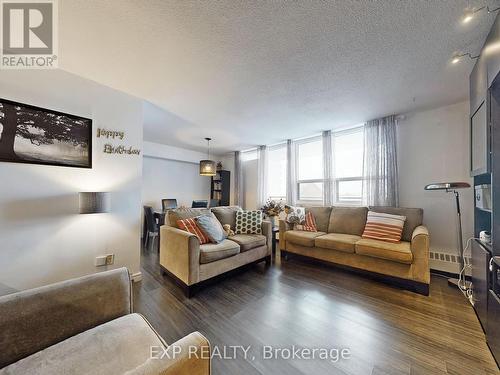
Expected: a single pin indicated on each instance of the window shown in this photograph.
(347, 149)
(276, 173)
(309, 164)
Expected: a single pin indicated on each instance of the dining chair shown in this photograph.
(200, 204)
(214, 203)
(151, 226)
(168, 204)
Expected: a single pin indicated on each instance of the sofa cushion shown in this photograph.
(248, 222)
(184, 213)
(248, 241)
(191, 225)
(414, 218)
(302, 238)
(212, 227)
(226, 215)
(397, 252)
(322, 217)
(348, 220)
(212, 252)
(337, 241)
(111, 348)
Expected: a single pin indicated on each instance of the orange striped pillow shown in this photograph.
(384, 227)
(309, 224)
(190, 225)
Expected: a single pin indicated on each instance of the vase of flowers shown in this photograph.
(272, 209)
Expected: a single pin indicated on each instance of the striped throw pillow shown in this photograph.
(190, 225)
(309, 224)
(384, 227)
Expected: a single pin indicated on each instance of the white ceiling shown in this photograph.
(258, 72)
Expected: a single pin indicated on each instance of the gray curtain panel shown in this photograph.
(238, 180)
(262, 193)
(380, 180)
(327, 168)
(291, 179)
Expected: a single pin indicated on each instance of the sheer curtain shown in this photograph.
(380, 171)
(238, 180)
(326, 137)
(291, 179)
(262, 194)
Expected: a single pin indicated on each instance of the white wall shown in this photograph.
(433, 146)
(43, 238)
(163, 178)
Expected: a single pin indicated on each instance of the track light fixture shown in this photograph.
(459, 56)
(470, 12)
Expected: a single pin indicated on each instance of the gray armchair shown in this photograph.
(86, 326)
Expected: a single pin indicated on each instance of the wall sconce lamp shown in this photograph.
(94, 202)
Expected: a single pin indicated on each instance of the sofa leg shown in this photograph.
(284, 255)
(268, 260)
(190, 290)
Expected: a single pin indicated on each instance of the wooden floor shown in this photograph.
(387, 330)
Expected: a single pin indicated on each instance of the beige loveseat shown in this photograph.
(339, 241)
(190, 264)
(86, 326)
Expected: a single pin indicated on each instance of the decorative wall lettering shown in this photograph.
(103, 133)
(116, 149)
(122, 150)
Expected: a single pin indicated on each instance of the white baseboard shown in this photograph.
(136, 277)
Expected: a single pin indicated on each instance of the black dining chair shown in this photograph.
(151, 226)
(199, 204)
(214, 203)
(168, 204)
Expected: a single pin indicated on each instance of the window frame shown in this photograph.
(337, 180)
(298, 181)
(270, 149)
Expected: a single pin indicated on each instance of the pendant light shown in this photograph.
(207, 167)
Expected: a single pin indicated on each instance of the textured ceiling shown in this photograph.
(258, 72)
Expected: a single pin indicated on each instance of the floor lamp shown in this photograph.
(452, 187)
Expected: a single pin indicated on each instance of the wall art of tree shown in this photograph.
(39, 127)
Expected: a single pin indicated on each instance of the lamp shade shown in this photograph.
(94, 202)
(447, 186)
(207, 168)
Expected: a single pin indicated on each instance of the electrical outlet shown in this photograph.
(110, 259)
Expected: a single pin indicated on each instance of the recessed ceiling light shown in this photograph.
(468, 15)
(455, 60)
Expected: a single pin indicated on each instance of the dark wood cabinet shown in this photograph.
(493, 327)
(480, 261)
(221, 187)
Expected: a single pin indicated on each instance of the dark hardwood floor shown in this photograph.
(387, 330)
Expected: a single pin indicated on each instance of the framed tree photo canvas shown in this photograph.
(36, 135)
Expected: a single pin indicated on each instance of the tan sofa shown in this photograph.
(86, 326)
(191, 264)
(339, 241)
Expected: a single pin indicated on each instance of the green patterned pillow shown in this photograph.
(248, 222)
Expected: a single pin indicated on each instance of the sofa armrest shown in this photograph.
(188, 356)
(283, 226)
(35, 319)
(267, 230)
(420, 251)
(180, 254)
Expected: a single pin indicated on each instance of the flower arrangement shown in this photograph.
(273, 208)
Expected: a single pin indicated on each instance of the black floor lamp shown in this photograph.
(451, 187)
